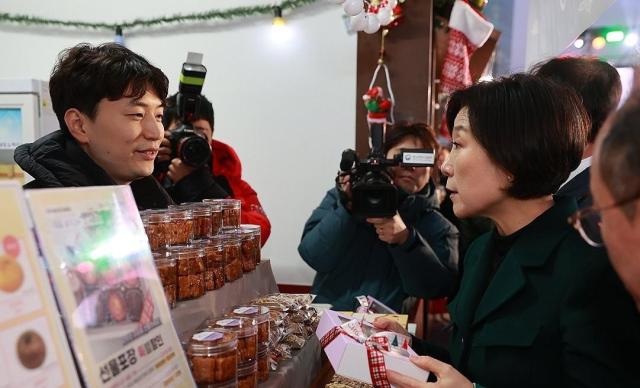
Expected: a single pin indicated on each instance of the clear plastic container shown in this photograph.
(263, 362)
(190, 263)
(213, 262)
(156, 225)
(248, 375)
(247, 331)
(201, 220)
(232, 256)
(261, 316)
(180, 226)
(213, 357)
(250, 245)
(230, 214)
(168, 273)
(216, 215)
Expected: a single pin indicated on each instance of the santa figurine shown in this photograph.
(377, 105)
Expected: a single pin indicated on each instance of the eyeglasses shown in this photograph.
(587, 221)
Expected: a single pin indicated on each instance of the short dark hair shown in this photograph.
(85, 74)
(533, 128)
(595, 81)
(400, 131)
(205, 111)
(619, 160)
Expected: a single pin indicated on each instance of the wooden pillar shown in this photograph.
(409, 56)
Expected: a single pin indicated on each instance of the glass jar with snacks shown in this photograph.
(201, 219)
(168, 273)
(230, 213)
(248, 375)
(263, 362)
(261, 316)
(213, 262)
(190, 263)
(232, 256)
(216, 215)
(212, 357)
(247, 332)
(180, 226)
(251, 243)
(156, 225)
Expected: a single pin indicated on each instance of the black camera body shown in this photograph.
(373, 193)
(188, 145)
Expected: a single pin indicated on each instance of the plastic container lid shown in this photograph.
(259, 313)
(210, 342)
(242, 326)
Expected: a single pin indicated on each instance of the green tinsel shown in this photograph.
(214, 14)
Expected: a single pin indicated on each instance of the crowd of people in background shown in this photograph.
(529, 222)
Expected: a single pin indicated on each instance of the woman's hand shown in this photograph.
(390, 230)
(387, 324)
(448, 376)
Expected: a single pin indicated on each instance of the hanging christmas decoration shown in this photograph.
(370, 15)
(468, 31)
(380, 108)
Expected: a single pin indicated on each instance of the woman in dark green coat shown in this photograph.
(537, 306)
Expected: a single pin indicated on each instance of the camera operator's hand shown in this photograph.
(344, 186)
(179, 170)
(390, 230)
(164, 153)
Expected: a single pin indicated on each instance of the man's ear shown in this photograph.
(76, 122)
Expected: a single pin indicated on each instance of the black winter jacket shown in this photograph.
(56, 160)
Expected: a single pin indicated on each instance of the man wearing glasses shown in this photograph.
(615, 186)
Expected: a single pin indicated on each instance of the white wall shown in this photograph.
(286, 106)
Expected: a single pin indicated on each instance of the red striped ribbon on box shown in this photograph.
(374, 345)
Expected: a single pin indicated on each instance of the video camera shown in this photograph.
(372, 191)
(188, 145)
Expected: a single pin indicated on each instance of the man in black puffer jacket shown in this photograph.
(109, 103)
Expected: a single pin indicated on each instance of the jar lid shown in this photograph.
(214, 204)
(231, 237)
(260, 313)
(248, 368)
(165, 263)
(209, 342)
(154, 216)
(208, 243)
(229, 203)
(243, 326)
(250, 227)
(179, 252)
(179, 213)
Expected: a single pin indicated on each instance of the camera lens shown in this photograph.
(194, 151)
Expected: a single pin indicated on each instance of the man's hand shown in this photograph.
(178, 170)
(386, 324)
(448, 376)
(390, 230)
(164, 153)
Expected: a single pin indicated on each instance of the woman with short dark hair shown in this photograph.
(537, 306)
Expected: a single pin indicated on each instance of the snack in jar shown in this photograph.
(263, 362)
(180, 228)
(156, 225)
(212, 357)
(248, 375)
(230, 213)
(216, 215)
(232, 256)
(250, 246)
(247, 331)
(201, 218)
(261, 316)
(213, 262)
(168, 273)
(190, 263)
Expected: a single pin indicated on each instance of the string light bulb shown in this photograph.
(119, 38)
(278, 20)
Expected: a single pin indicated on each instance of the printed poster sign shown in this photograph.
(111, 297)
(34, 351)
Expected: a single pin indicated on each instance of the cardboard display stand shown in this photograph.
(109, 293)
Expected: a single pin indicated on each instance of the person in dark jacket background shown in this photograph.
(413, 253)
(220, 178)
(109, 103)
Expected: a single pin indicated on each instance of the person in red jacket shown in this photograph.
(222, 178)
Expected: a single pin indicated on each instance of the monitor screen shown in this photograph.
(10, 128)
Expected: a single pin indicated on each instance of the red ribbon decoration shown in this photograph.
(377, 368)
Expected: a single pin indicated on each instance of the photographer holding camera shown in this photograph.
(218, 176)
(359, 247)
